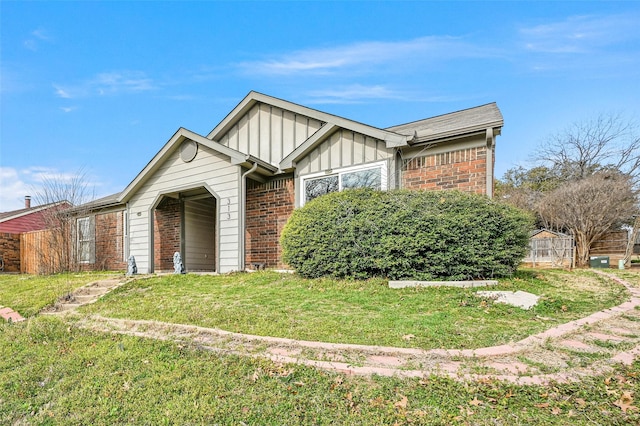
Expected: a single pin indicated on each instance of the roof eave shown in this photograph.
(456, 134)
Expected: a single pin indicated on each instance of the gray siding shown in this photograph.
(343, 149)
(210, 168)
(269, 133)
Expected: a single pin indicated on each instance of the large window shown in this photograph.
(86, 240)
(366, 176)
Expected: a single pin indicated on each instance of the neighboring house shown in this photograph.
(14, 223)
(30, 218)
(221, 200)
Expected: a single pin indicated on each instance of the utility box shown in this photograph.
(599, 261)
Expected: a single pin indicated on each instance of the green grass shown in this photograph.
(28, 294)
(630, 275)
(361, 312)
(52, 373)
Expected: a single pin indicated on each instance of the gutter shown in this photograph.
(243, 207)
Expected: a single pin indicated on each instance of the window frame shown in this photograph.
(381, 165)
(89, 241)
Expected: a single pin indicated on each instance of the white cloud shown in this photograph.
(16, 183)
(13, 189)
(357, 93)
(62, 93)
(580, 34)
(352, 94)
(364, 54)
(36, 36)
(107, 83)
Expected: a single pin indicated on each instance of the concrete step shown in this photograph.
(95, 291)
(84, 298)
(105, 284)
(67, 306)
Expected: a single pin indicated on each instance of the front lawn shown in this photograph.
(361, 312)
(28, 294)
(54, 373)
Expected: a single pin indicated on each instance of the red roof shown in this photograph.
(29, 219)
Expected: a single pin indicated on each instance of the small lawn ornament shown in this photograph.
(178, 266)
(132, 269)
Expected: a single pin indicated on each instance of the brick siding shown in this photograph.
(269, 205)
(166, 233)
(465, 170)
(10, 251)
(110, 241)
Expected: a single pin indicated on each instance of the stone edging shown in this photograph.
(10, 315)
(388, 360)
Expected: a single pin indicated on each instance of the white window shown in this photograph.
(86, 240)
(366, 176)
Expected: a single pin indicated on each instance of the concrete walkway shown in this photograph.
(585, 347)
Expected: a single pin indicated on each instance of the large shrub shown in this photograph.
(405, 234)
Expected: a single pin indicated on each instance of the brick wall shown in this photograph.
(166, 234)
(110, 241)
(465, 170)
(269, 205)
(10, 251)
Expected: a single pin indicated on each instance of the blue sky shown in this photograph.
(101, 86)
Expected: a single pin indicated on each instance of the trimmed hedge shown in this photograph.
(404, 234)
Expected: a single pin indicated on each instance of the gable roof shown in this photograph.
(434, 129)
(391, 138)
(466, 121)
(548, 231)
(308, 145)
(14, 214)
(172, 144)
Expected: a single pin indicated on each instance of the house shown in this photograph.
(16, 222)
(222, 199)
(30, 218)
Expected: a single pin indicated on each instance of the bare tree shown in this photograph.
(606, 142)
(57, 250)
(589, 207)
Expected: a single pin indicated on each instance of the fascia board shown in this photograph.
(235, 157)
(179, 136)
(422, 137)
(308, 145)
(33, 210)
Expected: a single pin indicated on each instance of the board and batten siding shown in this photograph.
(343, 148)
(210, 168)
(269, 133)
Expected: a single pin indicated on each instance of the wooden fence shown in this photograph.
(613, 245)
(43, 252)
